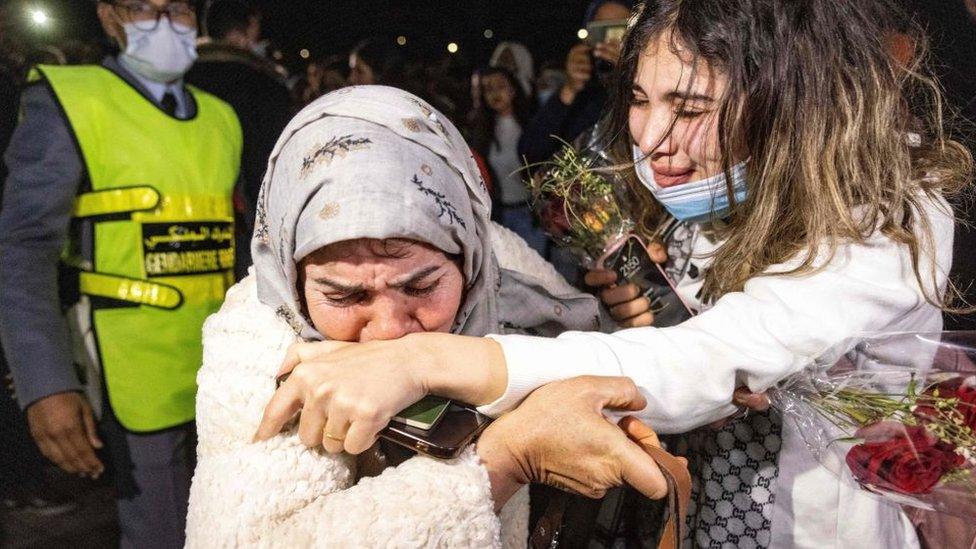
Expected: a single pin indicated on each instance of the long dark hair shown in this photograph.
(482, 131)
(827, 116)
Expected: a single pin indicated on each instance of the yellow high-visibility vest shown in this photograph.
(158, 194)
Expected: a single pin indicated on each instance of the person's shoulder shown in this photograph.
(244, 341)
(515, 255)
(46, 85)
(248, 66)
(37, 93)
(239, 85)
(929, 207)
(71, 76)
(512, 252)
(40, 112)
(243, 315)
(940, 214)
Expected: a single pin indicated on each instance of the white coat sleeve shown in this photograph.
(277, 493)
(756, 337)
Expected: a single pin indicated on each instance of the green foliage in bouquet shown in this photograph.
(577, 203)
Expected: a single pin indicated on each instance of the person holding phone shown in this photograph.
(576, 107)
(372, 225)
(780, 133)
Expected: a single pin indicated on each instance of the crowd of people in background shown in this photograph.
(513, 110)
(508, 113)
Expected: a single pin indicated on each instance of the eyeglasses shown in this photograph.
(146, 16)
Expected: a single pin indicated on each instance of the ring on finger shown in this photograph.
(329, 436)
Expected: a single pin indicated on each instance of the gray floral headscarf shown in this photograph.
(377, 162)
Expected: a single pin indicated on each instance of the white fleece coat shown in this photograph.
(279, 493)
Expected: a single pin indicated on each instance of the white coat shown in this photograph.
(757, 337)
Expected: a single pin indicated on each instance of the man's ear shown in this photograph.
(111, 24)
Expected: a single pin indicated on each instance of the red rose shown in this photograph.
(554, 219)
(900, 458)
(967, 404)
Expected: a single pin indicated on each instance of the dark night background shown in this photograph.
(547, 27)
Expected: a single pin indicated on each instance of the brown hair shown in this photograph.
(827, 116)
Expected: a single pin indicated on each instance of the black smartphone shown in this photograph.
(458, 428)
(630, 260)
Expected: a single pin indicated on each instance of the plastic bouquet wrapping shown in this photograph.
(578, 196)
(576, 199)
(896, 415)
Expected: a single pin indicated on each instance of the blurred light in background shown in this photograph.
(39, 17)
(402, 40)
(452, 47)
(489, 33)
(304, 53)
(582, 34)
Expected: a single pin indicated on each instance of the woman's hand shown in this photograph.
(348, 392)
(559, 436)
(627, 306)
(579, 70)
(746, 400)
(608, 51)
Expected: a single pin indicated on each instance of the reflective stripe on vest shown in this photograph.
(141, 292)
(116, 201)
(162, 223)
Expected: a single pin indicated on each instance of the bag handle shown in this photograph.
(679, 495)
(675, 471)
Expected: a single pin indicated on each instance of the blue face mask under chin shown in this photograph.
(696, 201)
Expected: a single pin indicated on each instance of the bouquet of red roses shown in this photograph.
(897, 415)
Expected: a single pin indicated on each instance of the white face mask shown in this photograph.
(696, 201)
(163, 54)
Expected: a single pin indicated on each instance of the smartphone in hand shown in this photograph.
(606, 31)
(598, 32)
(630, 260)
(457, 429)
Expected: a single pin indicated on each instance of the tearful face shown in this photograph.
(673, 115)
(366, 289)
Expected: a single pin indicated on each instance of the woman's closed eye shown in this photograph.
(345, 300)
(421, 289)
(689, 114)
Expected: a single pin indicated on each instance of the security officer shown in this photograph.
(120, 177)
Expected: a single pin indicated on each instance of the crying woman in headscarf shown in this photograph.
(372, 224)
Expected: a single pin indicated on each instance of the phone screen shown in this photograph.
(633, 264)
(459, 426)
(606, 31)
